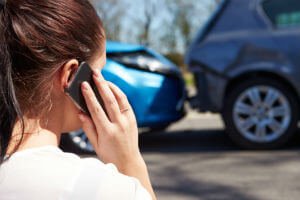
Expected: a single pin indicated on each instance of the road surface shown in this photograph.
(194, 159)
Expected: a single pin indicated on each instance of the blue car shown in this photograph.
(154, 87)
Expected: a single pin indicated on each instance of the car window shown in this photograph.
(283, 13)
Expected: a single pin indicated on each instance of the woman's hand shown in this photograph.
(114, 135)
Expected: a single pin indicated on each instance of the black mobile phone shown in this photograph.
(84, 73)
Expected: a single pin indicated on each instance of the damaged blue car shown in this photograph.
(154, 86)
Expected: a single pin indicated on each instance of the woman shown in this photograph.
(42, 43)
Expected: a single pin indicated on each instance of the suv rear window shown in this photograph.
(283, 13)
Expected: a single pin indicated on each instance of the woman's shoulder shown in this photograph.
(52, 160)
(44, 156)
(38, 173)
(65, 174)
(46, 163)
(47, 168)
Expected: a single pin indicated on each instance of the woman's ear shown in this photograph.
(68, 70)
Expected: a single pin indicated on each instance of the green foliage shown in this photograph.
(189, 79)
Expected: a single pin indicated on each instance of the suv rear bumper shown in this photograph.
(210, 92)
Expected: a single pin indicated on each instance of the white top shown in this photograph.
(48, 173)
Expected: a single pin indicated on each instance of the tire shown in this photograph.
(261, 113)
(76, 142)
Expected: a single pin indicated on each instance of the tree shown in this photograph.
(149, 12)
(111, 12)
(165, 25)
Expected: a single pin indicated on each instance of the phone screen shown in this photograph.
(84, 73)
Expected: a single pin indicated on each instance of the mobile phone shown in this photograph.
(84, 73)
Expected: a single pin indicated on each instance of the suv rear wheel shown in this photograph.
(261, 113)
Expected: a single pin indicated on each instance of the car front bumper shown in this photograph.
(156, 99)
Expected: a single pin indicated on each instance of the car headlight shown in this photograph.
(144, 61)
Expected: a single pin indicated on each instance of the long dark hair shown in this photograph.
(36, 39)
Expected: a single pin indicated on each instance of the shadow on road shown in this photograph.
(205, 164)
(184, 186)
(195, 141)
(186, 141)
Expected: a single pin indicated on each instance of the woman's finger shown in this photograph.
(121, 98)
(119, 95)
(97, 113)
(109, 100)
(89, 129)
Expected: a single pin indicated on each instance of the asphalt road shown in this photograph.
(194, 159)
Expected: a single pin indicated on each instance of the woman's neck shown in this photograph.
(36, 134)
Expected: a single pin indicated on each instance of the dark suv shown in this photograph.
(246, 63)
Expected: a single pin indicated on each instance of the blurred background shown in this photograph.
(167, 26)
(215, 86)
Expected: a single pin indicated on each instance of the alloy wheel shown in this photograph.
(262, 113)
